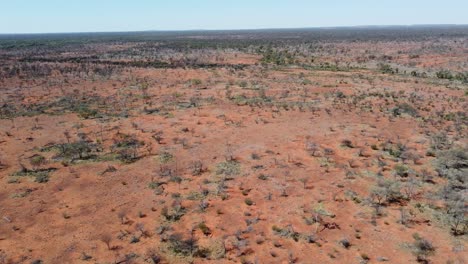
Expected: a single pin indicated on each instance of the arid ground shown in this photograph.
(300, 146)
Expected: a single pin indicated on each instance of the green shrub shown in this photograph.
(180, 246)
(387, 69)
(76, 150)
(401, 170)
(87, 113)
(37, 160)
(444, 74)
(204, 228)
(228, 168)
(42, 177)
(165, 157)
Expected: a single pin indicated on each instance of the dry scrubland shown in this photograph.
(305, 146)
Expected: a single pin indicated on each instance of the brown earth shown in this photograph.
(263, 156)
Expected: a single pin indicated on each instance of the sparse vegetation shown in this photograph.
(265, 146)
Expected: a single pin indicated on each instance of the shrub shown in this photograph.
(422, 248)
(313, 149)
(37, 160)
(401, 170)
(42, 177)
(393, 149)
(404, 108)
(462, 77)
(165, 157)
(186, 247)
(456, 216)
(286, 232)
(347, 143)
(386, 191)
(196, 82)
(345, 243)
(127, 147)
(122, 215)
(203, 205)
(444, 74)
(76, 150)
(228, 168)
(440, 141)
(365, 257)
(134, 240)
(197, 168)
(85, 257)
(204, 228)
(243, 84)
(386, 68)
(181, 246)
(152, 256)
(453, 164)
(175, 214)
(255, 156)
(87, 113)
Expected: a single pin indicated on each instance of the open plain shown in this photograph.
(276, 146)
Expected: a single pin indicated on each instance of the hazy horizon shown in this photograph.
(87, 16)
(245, 29)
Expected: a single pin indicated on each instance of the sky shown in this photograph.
(50, 16)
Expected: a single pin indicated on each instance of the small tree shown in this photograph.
(404, 217)
(123, 217)
(457, 218)
(107, 239)
(304, 181)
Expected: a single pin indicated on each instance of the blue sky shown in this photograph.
(38, 16)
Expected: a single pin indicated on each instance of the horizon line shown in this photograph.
(239, 29)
